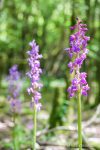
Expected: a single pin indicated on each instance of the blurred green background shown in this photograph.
(48, 22)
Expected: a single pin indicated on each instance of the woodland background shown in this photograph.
(48, 22)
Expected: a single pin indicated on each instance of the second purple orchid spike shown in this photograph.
(77, 53)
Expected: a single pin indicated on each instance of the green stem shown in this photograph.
(79, 122)
(14, 134)
(34, 129)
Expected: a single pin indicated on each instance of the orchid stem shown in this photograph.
(34, 129)
(14, 134)
(79, 122)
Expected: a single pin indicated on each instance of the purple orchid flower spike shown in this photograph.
(14, 88)
(34, 74)
(77, 53)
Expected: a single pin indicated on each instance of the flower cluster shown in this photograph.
(14, 87)
(34, 74)
(79, 83)
(77, 53)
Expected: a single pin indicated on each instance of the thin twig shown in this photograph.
(71, 128)
(93, 118)
(46, 131)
